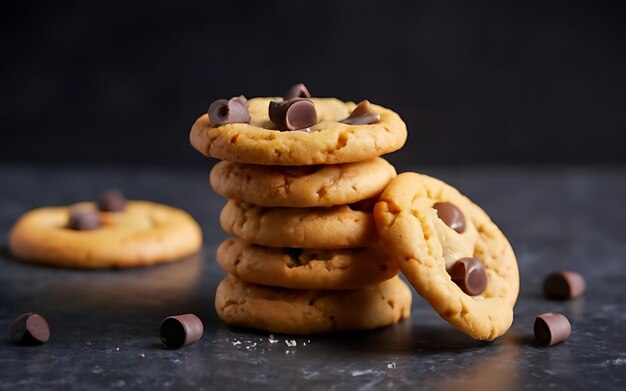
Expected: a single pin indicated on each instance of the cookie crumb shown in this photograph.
(391, 365)
(235, 343)
(117, 349)
(271, 339)
(142, 355)
(291, 343)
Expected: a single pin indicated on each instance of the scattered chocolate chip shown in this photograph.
(30, 329)
(551, 328)
(362, 115)
(470, 275)
(181, 330)
(111, 200)
(451, 215)
(297, 91)
(234, 110)
(83, 218)
(563, 285)
(295, 114)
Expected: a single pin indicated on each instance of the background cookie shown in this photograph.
(305, 269)
(425, 247)
(329, 142)
(144, 233)
(302, 186)
(302, 312)
(333, 227)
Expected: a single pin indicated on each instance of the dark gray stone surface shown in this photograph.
(105, 323)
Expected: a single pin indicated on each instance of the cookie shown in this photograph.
(427, 247)
(302, 186)
(328, 142)
(333, 227)
(144, 233)
(305, 269)
(302, 312)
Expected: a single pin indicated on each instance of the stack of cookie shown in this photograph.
(301, 176)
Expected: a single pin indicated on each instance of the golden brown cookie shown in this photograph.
(302, 312)
(329, 142)
(144, 233)
(426, 249)
(305, 269)
(334, 227)
(302, 186)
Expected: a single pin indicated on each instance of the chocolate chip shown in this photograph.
(470, 275)
(83, 218)
(362, 115)
(295, 114)
(551, 328)
(181, 330)
(297, 91)
(232, 111)
(111, 200)
(30, 329)
(451, 215)
(563, 285)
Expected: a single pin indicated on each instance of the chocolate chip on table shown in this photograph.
(30, 329)
(451, 215)
(470, 275)
(551, 328)
(297, 91)
(232, 111)
(83, 218)
(181, 330)
(362, 115)
(111, 200)
(563, 285)
(294, 114)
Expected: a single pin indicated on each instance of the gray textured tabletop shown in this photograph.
(105, 324)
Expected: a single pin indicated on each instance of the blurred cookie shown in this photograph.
(302, 312)
(451, 252)
(143, 233)
(305, 269)
(256, 139)
(302, 186)
(333, 227)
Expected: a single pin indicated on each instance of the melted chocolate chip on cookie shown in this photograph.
(362, 115)
(83, 218)
(111, 200)
(232, 111)
(451, 215)
(470, 275)
(295, 114)
(297, 91)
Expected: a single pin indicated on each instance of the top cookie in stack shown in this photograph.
(302, 175)
(302, 131)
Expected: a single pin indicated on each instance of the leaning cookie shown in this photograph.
(144, 233)
(302, 186)
(326, 141)
(451, 252)
(305, 269)
(304, 312)
(333, 227)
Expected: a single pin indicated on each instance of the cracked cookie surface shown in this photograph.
(303, 312)
(143, 234)
(425, 248)
(329, 142)
(305, 269)
(333, 227)
(302, 186)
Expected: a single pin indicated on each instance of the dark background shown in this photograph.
(477, 83)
